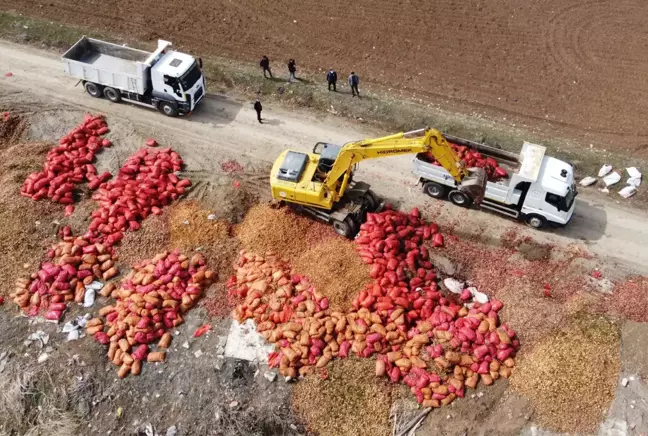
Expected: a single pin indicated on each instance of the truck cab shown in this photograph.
(553, 194)
(177, 76)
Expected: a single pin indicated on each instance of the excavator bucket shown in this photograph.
(474, 184)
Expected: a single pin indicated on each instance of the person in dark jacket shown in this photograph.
(258, 108)
(292, 69)
(354, 81)
(265, 64)
(331, 78)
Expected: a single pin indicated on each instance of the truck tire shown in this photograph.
(434, 190)
(112, 94)
(535, 221)
(458, 198)
(168, 109)
(93, 89)
(371, 201)
(347, 228)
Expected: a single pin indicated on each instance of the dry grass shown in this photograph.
(33, 405)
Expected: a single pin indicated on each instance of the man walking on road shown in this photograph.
(258, 108)
(354, 80)
(292, 69)
(331, 78)
(265, 64)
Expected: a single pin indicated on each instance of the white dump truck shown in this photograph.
(539, 189)
(166, 80)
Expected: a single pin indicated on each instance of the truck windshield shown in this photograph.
(190, 78)
(569, 198)
(562, 203)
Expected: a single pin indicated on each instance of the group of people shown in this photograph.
(331, 76)
(331, 79)
(292, 68)
(354, 81)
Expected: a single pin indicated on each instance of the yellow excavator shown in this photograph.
(321, 183)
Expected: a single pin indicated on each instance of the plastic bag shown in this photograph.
(588, 181)
(479, 297)
(89, 297)
(605, 170)
(453, 285)
(628, 191)
(612, 179)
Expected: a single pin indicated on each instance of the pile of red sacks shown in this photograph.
(438, 343)
(151, 300)
(145, 183)
(473, 159)
(69, 164)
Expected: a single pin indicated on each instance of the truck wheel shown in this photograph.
(168, 109)
(434, 190)
(112, 94)
(93, 89)
(535, 221)
(346, 228)
(371, 201)
(459, 198)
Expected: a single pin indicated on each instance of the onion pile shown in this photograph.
(69, 164)
(473, 158)
(151, 300)
(437, 344)
(74, 263)
(145, 183)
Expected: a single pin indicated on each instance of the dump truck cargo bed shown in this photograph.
(107, 64)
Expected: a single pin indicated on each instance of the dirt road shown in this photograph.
(224, 128)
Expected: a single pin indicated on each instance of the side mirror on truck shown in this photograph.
(200, 62)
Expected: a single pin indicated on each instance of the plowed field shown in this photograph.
(580, 64)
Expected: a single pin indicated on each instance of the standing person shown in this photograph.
(292, 69)
(265, 64)
(354, 81)
(258, 108)
(331, 78)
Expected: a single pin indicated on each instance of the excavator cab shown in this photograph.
(328, 153)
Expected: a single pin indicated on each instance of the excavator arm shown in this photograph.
(414, 142)
(320, 184)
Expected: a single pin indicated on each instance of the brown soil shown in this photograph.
(12, 128)
(567, 62)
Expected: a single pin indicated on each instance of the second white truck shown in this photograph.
(539, 189)
(167, 80)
